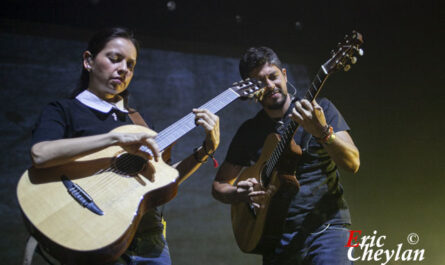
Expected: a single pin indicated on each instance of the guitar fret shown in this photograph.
(175, 131)
(280, 148)
(310, 94)
(318, 77)
(292, 126)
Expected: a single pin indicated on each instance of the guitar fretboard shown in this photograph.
(178, 129)
(292, 126)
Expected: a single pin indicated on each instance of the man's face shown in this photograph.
(275, 80)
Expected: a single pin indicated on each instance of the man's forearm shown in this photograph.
(343, 152)
(224, 192)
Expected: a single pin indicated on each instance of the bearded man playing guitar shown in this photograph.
(315, 220)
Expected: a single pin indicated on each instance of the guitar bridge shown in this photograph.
(81, 196)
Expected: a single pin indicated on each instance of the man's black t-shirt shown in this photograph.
(320, 198)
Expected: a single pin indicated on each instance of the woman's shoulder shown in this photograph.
(65, 104)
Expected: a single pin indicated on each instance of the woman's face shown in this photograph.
(112, 68)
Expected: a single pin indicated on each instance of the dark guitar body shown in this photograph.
(258, 231)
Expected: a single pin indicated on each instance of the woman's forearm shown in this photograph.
(57, 152)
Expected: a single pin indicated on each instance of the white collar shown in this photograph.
(94, 102)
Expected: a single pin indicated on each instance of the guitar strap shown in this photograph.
(136, 118)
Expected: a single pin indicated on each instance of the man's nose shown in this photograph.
(270, 84)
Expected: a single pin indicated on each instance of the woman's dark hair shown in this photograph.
(95, 45)
(255, 57)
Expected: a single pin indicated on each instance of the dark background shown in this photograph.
(392, 99)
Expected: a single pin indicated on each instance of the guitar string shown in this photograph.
(185, 121)
(279, 148)
(106, 179)
(276, 153)
(214, 105)
(127, 161)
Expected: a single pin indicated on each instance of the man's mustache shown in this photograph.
(275, 90)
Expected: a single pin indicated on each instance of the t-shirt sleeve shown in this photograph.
(333, 116)
(51, 124)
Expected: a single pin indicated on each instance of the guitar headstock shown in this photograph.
(345, 54)
(248, 88)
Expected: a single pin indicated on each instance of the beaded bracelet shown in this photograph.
(195, 155)
(327, 136)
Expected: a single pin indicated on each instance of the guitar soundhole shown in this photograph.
(129, 164)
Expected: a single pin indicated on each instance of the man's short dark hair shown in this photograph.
(255, 57)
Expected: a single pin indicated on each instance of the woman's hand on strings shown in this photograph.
(210, 122)
(131, 142)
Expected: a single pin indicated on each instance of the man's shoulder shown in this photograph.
(327, 106)
(324, 102)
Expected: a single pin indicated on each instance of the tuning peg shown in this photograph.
(354, 60)
(359, 50)
(347, 68)
(259, 95)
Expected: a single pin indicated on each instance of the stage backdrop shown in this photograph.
(166, 86)
(392, 99)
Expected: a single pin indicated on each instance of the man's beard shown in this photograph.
(276, 105)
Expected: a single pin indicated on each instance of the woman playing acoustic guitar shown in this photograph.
(72, 128)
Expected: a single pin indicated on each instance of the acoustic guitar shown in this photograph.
(87, 211)
(258, 230)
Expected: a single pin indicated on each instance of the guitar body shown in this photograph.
(257, 231)
(75, 234)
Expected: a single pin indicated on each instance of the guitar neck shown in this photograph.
(341, 58)
(310, 95)
(317, 84)
(178, 129)
(291, 126)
